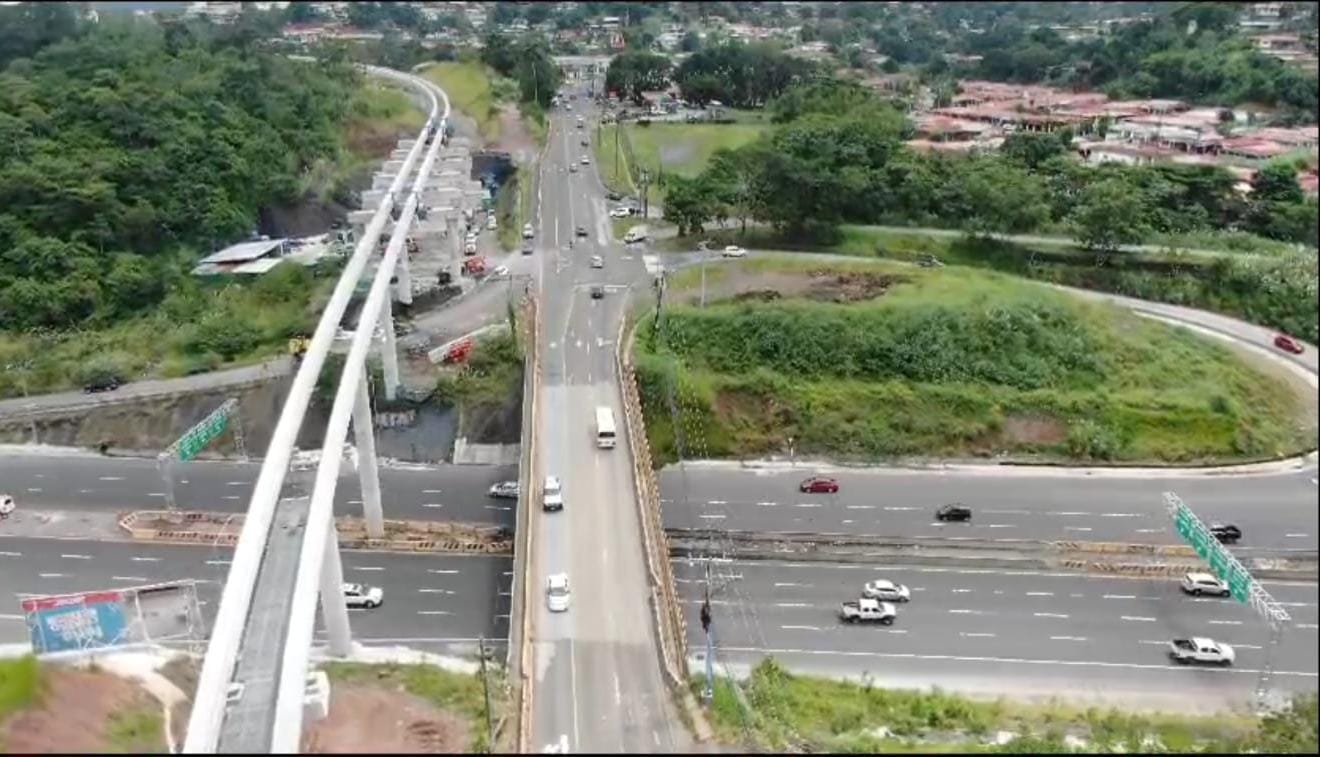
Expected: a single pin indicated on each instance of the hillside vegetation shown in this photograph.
(876, 362)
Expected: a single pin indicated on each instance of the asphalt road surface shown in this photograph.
(444, 492)
(1275, 512)
(441, 603)
(598, 682)
(1011, 632)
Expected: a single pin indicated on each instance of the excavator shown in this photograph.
(298, 346)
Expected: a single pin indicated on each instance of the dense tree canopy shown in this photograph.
(738, 75)
(634, 72)
(527, 61)
(128, 144)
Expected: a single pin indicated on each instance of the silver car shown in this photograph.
(597, 261)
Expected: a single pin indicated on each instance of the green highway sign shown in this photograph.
(201, 435)
(1209, 549)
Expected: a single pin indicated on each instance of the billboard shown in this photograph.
(102, 619)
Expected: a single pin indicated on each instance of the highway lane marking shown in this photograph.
(144, 559)
(800, 628)
(961, 591)
(498, 507)
(1306, 625)
(859, 507)
(13, 617)
(976, 635)
(1076, 528)
(1040, 594)
(217, 562)
(155, 494)
(34, 491)
(1069, 512)
(11, 554)
(716, 502)
(367, 567)
(807, 504)
(233, 496)
(1120, 596)
(432, 504)
(436, 591)
(1120, 515)
(1297, 604)
(433, 612)
(1067, 638)
(1050, 615)
(767, 504)
(900, 509)
(1150, 530)
(1224, 622)
(112, 478)
(84, 491)
(450, 572)
(1000, 525)
(236, 483)
(848, 522)
(137, 579)
(1295, 536)
(51, 575)
(1017, 660)
(792, 604)
(1138, 619)
(968, 612)
(712, 517)
(791, 583)
(430, 491)
(76, 557)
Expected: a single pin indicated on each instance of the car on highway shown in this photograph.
(597, 261)
(553, 501)
(1197, 584)
(491, 223)
(868, 611)
(504, 490)
(580, 231)
(500, 272)
(734, 251)
(597, 292)
(586, 142)
(105, 383)
(886, 590)
(557, 595)
(1201, 649)
(527, 248)
(1287, 344)
(572, 167)
(819, 485)
(357, 595)
(528, 233)
(470, 247)
(585, 161)
(7, 505)
(1226, 533)
(954, 511)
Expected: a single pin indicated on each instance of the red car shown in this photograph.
(818, 485)
(1287, 344)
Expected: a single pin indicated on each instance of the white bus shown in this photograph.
(604, 428)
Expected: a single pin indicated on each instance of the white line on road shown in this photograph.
(235, 483)
(767, 504)
(716, 502)
(84, 491)
(1150, 530)
(51, 575)
(977, 635)
(800, 628)
(11, 554)
(155, 494)
(1067, 638)
(430, 491)
(76, 557)
(432, 612)
(1120, 515)
(1040, 594)
(144, 559)
(966, 612)
(137, 579)
(1142, 620)
(1071, 512)
(498, 507)
(443, 572)
(900, 509)
(1306, 625)
(232, 496)
(432, 504)
(367, 567)
(34, 491)
(217, 562)
(961, 591)
(1050, 615)
(859, 507)
(1295, 536)
(712, 517)
(1000, 525)
(112, 478)
(1076, 528)
(436, 591)
(1120, 596)
(13, 617)
(779, 584)
(1224, 622)
(791, 604)
(807, 504)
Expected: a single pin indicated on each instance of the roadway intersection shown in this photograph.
(90, 482)
(997, 630)
(434, 602)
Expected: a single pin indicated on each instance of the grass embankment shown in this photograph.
(513, 207)
(778, 712)
(487, 390)
(203, 325)
(20, 684)
(378, 115)
(1275, 288)
(663, 148)
(474, 90)
(872, 360)
(456, 693)
(139, 730)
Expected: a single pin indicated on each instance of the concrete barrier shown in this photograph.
(520, 627)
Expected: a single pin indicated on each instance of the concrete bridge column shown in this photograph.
(334, 610)
(368, 475)
(389, 352)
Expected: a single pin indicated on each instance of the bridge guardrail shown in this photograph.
(520, 634)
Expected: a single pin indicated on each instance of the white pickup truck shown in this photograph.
(868, 611)
(1199, 649)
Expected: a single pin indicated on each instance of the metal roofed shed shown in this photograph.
(239, 258)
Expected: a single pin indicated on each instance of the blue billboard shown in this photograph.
(75, 621)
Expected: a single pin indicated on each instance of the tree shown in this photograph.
(689, 203)
(634, 72)
(1276, 182)
(1030, 149)
(1108, 215)
(1003, 198)
(691, 42)
(302, 13)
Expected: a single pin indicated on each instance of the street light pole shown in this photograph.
(706, 621)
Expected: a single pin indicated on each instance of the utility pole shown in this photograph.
(485, 686)
(704, 246)
(646, 195)
(618, 124)
(659, 298)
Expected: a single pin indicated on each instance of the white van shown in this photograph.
(605, 428)
(635, 234)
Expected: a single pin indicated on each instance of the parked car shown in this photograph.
(597, 261)
(357, 595)
(1201, 649)
(504, 490)
(1226, 533)
(886, 590)
(954, 512)
(819, 485)
(734, 251)
(1287, 344)
(613, 196)
(106, 383)
(621, 212)
(1197, 584)
(491, 224)
(557, 595)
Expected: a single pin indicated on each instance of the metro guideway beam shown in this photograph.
(236, 598)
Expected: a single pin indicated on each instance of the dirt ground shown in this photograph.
(74, 714)
(748, 285)
(514, 137)
(368, 719)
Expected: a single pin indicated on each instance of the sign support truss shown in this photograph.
(195, 439)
